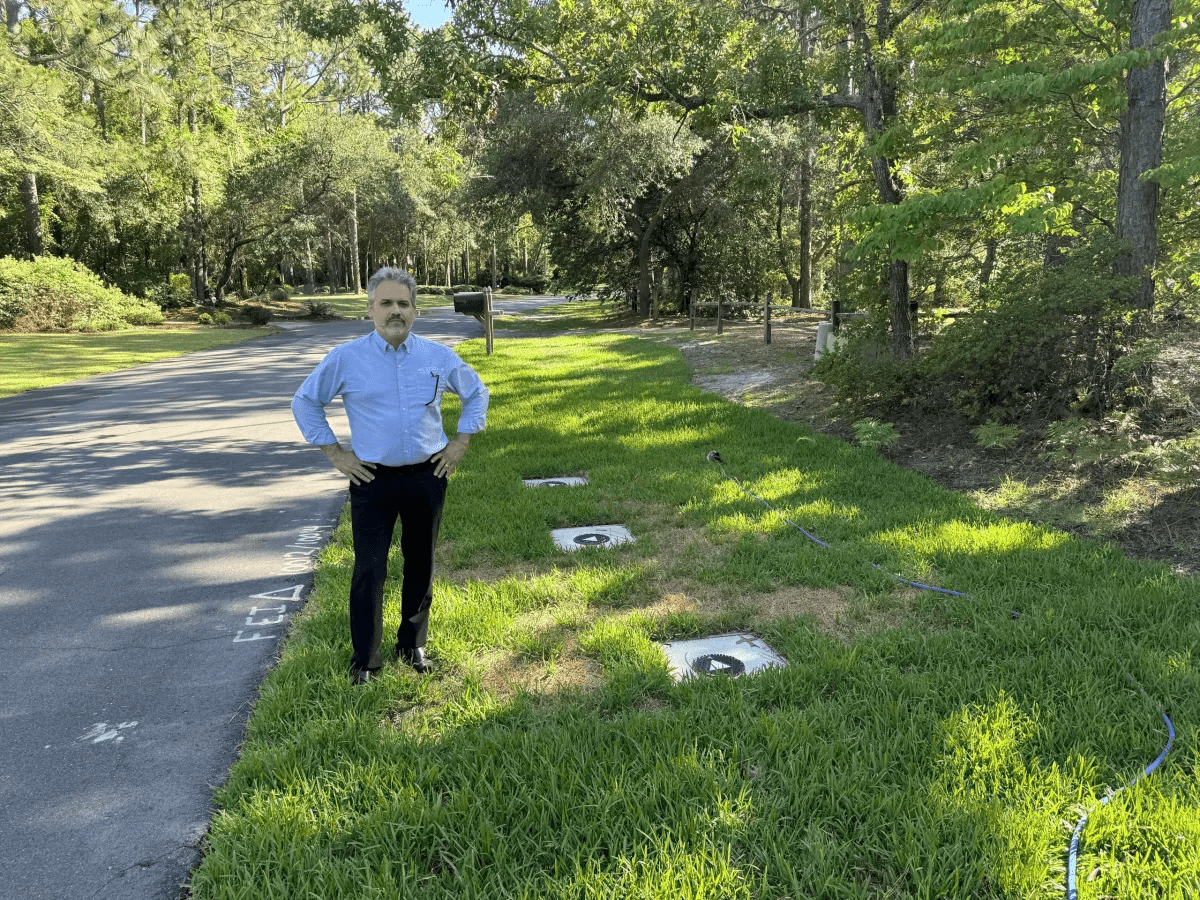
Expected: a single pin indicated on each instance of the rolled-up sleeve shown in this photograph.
(466, 382)
(308, 405)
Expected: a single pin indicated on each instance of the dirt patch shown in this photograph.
(506, 674)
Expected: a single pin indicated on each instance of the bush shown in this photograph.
(536, 284)
(256, 315)
(204, 319)
(281, 293)
(55, 294)
(431, 289)
(1042, 343)
(318, 309)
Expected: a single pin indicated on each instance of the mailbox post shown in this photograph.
(478, 304)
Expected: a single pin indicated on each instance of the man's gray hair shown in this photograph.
(389, 273)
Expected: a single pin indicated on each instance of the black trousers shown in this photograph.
(415, 496)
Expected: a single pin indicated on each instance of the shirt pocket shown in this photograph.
(432, 383)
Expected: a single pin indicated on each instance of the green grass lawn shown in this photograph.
(39, 360)
(916, 745)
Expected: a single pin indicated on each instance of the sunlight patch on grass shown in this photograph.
(30, 361)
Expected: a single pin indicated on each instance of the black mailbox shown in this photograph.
(470, 304)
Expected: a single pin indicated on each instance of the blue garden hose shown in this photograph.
(1072, 859)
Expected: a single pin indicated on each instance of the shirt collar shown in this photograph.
(377, 340)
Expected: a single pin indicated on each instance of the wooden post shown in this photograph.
(767, 319)
(720, 324)
(835, 313)
(692, 315)
(654, 296)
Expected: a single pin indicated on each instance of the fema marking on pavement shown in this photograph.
(102, 731)
(303, 549)
(268, 616)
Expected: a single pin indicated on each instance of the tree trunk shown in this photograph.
(199, 239)
(101, 110)
(330, 261)
(355, 273)
(310, 284)
(1141, 146)
(879, 108)
(12, 12)
(802, 296)
(989, 262)
(33, 215)
(780, 246)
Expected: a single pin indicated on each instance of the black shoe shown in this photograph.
(362, 676)
(415, 658)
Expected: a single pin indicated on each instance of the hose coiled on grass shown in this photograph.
(1073, 853)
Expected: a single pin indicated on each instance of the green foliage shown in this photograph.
(993, 435)
(175, 294)
(1118, 440)
(257, 315)
(875, 435)
(50, 293)
(1043, 341)
(317, 309)
(205, 318)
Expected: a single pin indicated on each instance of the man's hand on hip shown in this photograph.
(346, 462)
(448, 458)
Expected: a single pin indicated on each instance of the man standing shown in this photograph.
(391, 382)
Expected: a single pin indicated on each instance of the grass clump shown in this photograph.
(916, 745)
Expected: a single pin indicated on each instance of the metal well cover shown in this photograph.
(711, 656)
(591, 536)
(557, 481)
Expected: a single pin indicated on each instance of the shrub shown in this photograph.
(256, 315)
(220, 317)
(431, 289)
(537, 284)
(992, 435)
(875, 434)
(204, 319)
(1043, 342)
(318, 309)
(281, 293)
(51, 294)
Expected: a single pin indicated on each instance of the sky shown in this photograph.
(427, 13)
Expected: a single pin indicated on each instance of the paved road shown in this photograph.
(157, 535)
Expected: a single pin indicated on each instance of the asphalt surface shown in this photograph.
(158, 531)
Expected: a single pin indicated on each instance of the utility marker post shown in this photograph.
(767, 318)
(720, 324)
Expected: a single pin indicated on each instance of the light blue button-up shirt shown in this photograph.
(393, 398)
